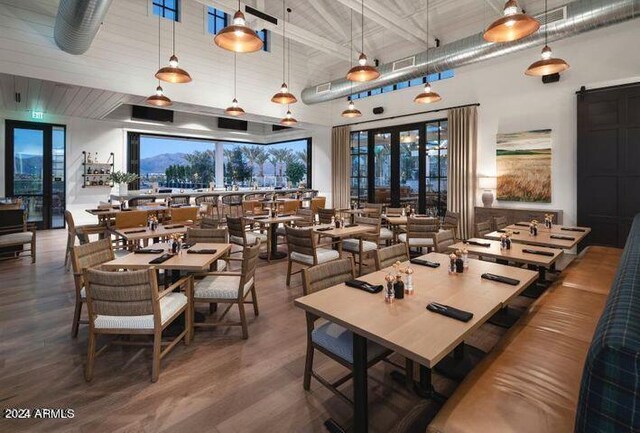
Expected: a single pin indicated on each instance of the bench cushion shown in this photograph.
(220, 287)
(324, 255)
(20, 238)
(169, 305)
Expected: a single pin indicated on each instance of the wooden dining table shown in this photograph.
(272, 224)
(143, 233)
(573, 231)
(406, 326)
(565, 241)
(338, 235)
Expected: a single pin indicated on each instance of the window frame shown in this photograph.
(164, 8)
(212, 12)
(438, 76)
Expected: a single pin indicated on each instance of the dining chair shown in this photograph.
(420, 232)
(451, 221)
(239, 235)
(130, 303)
(211, 203)
(141, 200)
(208, 222)
(394, 211)
(302, 244)
(370, 240)
(252, 207)
(232, 204)
(325, 215)
(317, 203)
(388, 256)
(81, 232)
(372, 210)
(443, 239)
(253, 196)
(500, 222)
(180, 199)
(134, 218)
(184, 214)
(329, 338)
(289, 206)
(213, 236)
(482, 229)
(230, 288)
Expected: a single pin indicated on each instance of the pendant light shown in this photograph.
(238, 37)
(428, 96)
(362, 72)
(158, 99)
(514, 25)
(351, 111)
(234, 109)
(548, 65)
(173, 73)
(288, 119)
(284, 96)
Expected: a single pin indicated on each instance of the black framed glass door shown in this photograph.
(35, 170)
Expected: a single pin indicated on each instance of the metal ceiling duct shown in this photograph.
(581, 16)
(77, 23)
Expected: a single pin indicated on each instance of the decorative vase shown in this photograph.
(487, 198)
(123, 189)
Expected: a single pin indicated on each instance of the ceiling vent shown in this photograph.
(321, 88)
(409, 62)
(552, 16)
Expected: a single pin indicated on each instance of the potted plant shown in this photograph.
(123, 179)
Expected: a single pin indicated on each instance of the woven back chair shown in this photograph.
(420, 232)
(212, 235)
(443, 240)
(373, 210)
(232, 204)
(386, 257)
(184, 214)
(451, 221)
(325, 215)
(141, 200)
(208, 222)
(318, 203)
(81, 232)
(130, 303)
(86, 256)
(500, 222)
(394, 211)
(307, 215)
(252, 207)
(370, 240)
(482, 229)
(211, 199)
(134, 218)
(330, 338)
(303, 250)
(239, 235)
(180, 199)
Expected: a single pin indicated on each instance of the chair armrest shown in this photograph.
(180, 283)
(14, 229)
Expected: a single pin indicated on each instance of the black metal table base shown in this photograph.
(275, 255)
(506, 317)
(423, 388)
(536, 290)
(333, 427)
(457, 365)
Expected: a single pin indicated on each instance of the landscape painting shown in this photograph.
(524, 166)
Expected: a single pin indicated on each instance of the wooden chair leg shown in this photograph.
(243, 320)
(33, 249)
(76, 318)
(213, 307)
(254, 298)
(67, 254)
(289, 272)
(91, 356)
(188, 315)
(308, 366)
(157, 349)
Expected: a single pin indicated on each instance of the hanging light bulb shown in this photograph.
(362, 72)
(548, 64)
(427, 96)
(173, 73)
(238, 37)
(235, 109)
(514, 25)
(288, 119)
(351, 111)
(159, 99)
(284, 96)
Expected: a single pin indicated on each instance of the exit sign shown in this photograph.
(39, 115)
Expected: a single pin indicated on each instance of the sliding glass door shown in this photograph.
(35, 170)
(382, 168)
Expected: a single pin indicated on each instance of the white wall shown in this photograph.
(512, 102)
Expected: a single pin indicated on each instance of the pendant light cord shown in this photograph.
(289, 53)
(351, 50)
(235, 78)
(362, 35)
(159, 61)
(546, 30)
(173, 45)
(284, 41)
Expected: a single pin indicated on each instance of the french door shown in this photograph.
(35, 170)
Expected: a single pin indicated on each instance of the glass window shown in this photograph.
(375, 91)
(382, 168)
(168, 9)
(387, 89)
(264, 36)
(416, 82)
(354, 97)
(402, 85)
(359, 165)
(216, 20)
(437, 166)
(409, 166)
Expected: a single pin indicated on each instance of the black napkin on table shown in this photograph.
(188, 245)
(99, 210)
(149, 251)
(477, 243)
(346, 226)
(501, 279)
(363, 285)
(163, 258)
(521, 224)
(202, 251)
(446, 310)
(573, 229)
(174, 226)
(136, 231)
(424, 262)
(515, 232)
(540, 253)
(263, 217)
(126, 210)
(325, 229)
(564, 238)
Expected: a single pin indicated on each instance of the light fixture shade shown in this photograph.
(512, 26)
(428, 96)
(173, 73)
(238, 37)
(547, 65)
(362, 72)
(159, 100)
(234, 109)
(351, 111)
(288, 120)
(284, 97)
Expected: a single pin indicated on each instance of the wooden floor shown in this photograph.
(219, 383)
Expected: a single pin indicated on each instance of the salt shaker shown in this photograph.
(408, 287)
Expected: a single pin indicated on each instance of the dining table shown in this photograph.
(565, 241)
(133, 234)
(338, 235)
(577, 232)
(406, 326)
(272, 223)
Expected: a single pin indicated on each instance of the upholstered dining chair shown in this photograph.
(305, 213)
(317, 203)
(130, 303)
(443, 239)
(214, 236)
(370, 240)
(230, 288)
(372, 210)
(184, 214)
(325, 215)
(330, 338)
(211, 203)
(84, 256)
(420, 232)
(394, 211)
(181, 199)
(500, 222)
(451, 221)
(238, 234)
(483, 228)
(302, 244)
(81, 232)
(387, 256)
(141, 200)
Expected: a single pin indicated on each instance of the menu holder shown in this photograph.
(446, 310)
(202, 251)
(563, 238)
(174, 226)
(424, 262)
(573, 229)
(477, 243)
(538, 252)
(521, 225)
(163, 258)
(149, 251)
(363, 285)
(501, 279)
(135, 231)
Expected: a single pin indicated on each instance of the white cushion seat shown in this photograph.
(169, 305)
(353, 245)
(221, 265)
(324, 255)
(385, 234)
(416, 242)
(20, 238)
(220, 287)
(339, 341)
(251, 238)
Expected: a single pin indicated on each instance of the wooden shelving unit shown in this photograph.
(96, 174)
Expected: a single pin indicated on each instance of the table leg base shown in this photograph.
(275, 255)
(333, 427)
(506, 317)
(534, 291)
(458, 368)
(427, 393)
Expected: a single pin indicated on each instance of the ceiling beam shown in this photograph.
(494, 5)
(328, 17)
(296, 33)
(391, 21)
